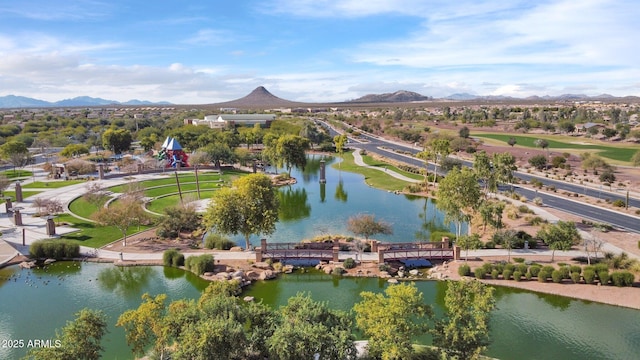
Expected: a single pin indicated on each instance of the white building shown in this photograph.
(224, 120)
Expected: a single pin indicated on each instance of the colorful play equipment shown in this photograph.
(173, 155)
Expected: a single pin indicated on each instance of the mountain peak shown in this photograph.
(259, 97)
(398, 96)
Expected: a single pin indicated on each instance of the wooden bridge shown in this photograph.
(330, 251)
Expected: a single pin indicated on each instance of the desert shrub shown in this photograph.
(622, 278)
(589, 276)
(338, 271)
(517, 275)
(349, 263)
(548, 269)
(534, 270)
(537, 220)
(510, 267)
(494, 274)
(488, 267)
(601, 267)
(54, 249)
(172, 258)
(384, 267)
(575, 269)
(480, 273)
(465, 270)
(491, 245)
(199, 264)
(619, 203)
(565, 272)
(543, 275)
(519, 260)
(528, 275)
(522, 268)
(217, 241)
(499, 267)
(556, 276)
(575, 277)
(604, 277)
(506, 274)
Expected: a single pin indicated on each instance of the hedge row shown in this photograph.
(54, 249)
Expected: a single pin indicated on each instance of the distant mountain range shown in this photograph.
(262, 98)
(12, 101)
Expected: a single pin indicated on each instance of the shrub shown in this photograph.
(54, 249)
(534, 270)
(528, 276)
(619, 203)
(575, 269)
(564, 271)
(510, 267)
(601, 267)
(519, 260)
(548, 269)
(172, 258)
(349, 263)
(543, 275)
(384, 267)
(480, 273)
(199, 264)
(494, 274)
(556, 276)
(499, 267)
(522, 268)
(622, 278)
(488, 267)
(338, 271)
(217, 241)
(575, 277)
(491, 245)
(506, 274)
(604, 277)
(465, 270)
(517, 275)
(589, 276)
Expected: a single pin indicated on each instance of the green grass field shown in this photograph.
(25, 194)
(616, 152)
(51, 184)
(92, 234)
(158, 205)
(12, 174)
(373, 177)
(377, 163)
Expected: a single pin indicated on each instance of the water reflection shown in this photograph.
(311, 170)
(323, 192)
(124, 280)
(341, 194)
(293, 204)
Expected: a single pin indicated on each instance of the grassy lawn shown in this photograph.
(170, 180)
(169, 189)
(373, 177)
(617, 152)
(51, 184)
(83, 208)
(377, 163)
(92, 234)
(11, 174)
(158, 205)
(25, 194)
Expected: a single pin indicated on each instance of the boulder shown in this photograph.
(262, 265)
(253, 275)
(49, 261)
(392, 281)
(248, 298)
(413, 272)
(223, 275)
(267, 274)
(384, 274)
(236, 249)
(287, 269)
(327, 269)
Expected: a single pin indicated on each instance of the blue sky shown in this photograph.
(198, 52)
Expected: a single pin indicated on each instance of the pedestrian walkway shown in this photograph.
(357, 159)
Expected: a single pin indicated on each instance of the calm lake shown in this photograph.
(525, 325)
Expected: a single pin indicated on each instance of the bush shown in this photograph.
(494, 274)
(522, 268)
(519, 260)
(499, 267)
(172, 258)
(492, 245)
(556, 276)
(54, 249)
(534, 270)
(517, 275)
(589, 276)
(200, 264)
(575, 269)
(528, 276)
(217, 241)
(488, 267)
(510, 267)
(619, 203)
(601, 267)
(575, 277)
(480, 273)
(349, 263)
(465, 270)
(338, 271)
(384, 267)
(543, 275)
(506, 274)
(604, 277)
(565, 272)
(622, 278)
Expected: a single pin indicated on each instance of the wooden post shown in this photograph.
(197, 181)
(179, 190)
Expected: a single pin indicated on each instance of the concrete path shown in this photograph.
(357, 158)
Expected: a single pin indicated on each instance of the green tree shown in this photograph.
(72, 150)
(366, 225)
(559, 236)
(464, 132)
(307, 328)
(340, 141)
(219, 153)
(79, 339)
(441, 148)
(146, 326)
(483, 168)
(593, 162)
(391, 319)
(512, 141)
(117, 140)
(504, 164)
(123, 214)
(291, 149)
(469, 242)
(538, 161)
(541, 143)
(464, 333)
(16, 152)
(459, 192)
(250, 207)
(426, 155)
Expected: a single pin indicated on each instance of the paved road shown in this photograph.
(586, 211)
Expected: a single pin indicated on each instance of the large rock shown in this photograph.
(262, 265)
(236, 249)
(267, 274)
(223, 275)
(253, 275)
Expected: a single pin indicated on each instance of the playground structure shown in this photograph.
(173, 155)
